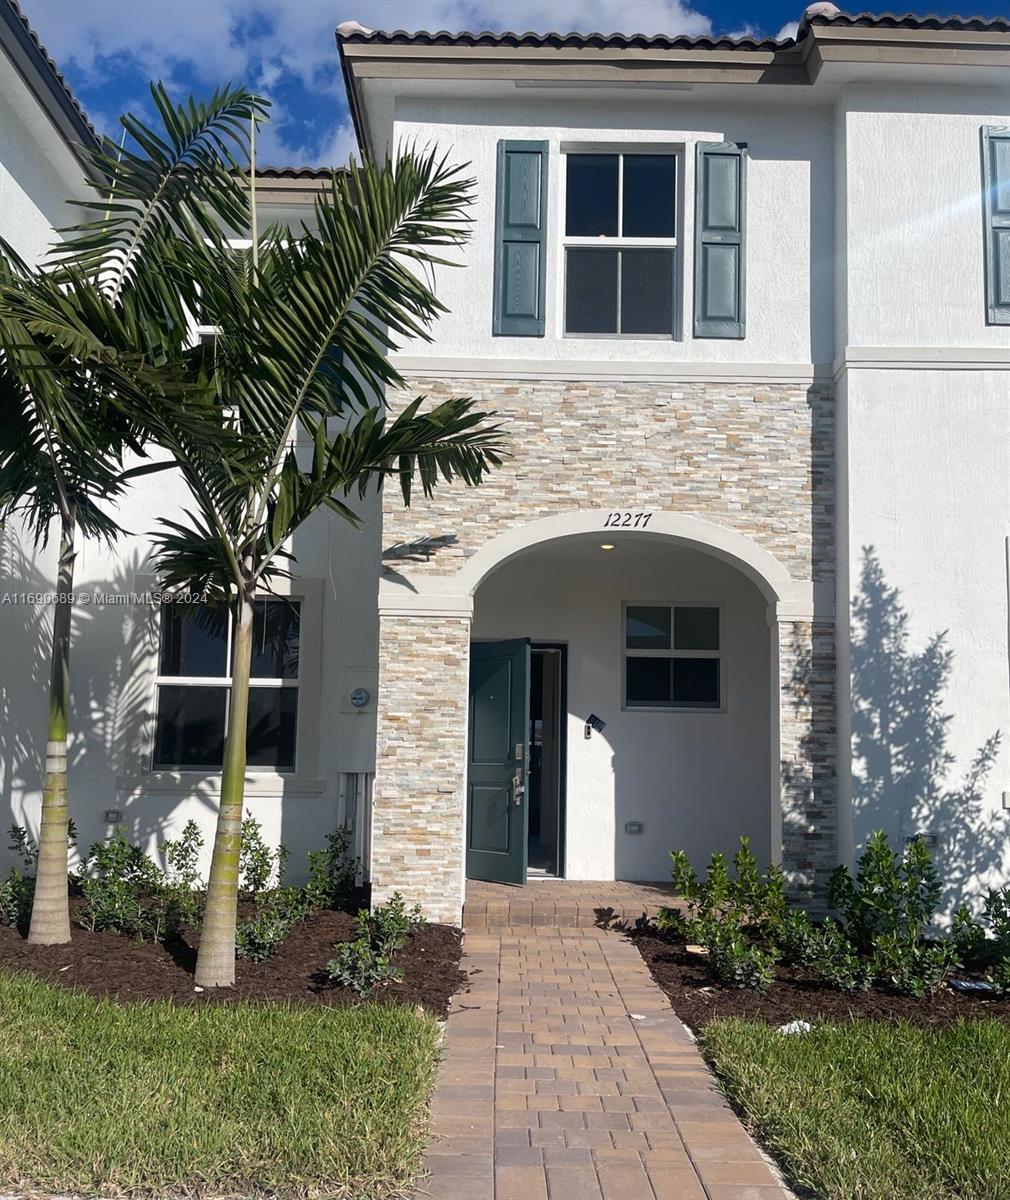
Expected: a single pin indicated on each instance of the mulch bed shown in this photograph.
(109, 964)
(795, 995)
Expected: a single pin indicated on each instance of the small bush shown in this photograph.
(183, 898)
(124, 890)
(260, 936)
(257, 863)
(912, 969)
(835, 963)
(360, 966)
(891, 895)
(279, 911)
(17, 891)
(332, 870)
(1000, 977)
(735, 962)
(997, 913)
(366, 963)
(968, 936)
(798, 939)
(748, 898)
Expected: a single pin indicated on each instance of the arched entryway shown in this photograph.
(726, 728)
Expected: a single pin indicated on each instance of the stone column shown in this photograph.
(808, 756)
(419, 796)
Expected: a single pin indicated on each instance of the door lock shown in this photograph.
(518, 787)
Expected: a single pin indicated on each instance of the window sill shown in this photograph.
(185, 783)
(677, 709)
(621, 337)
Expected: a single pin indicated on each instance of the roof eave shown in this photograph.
(40, 77)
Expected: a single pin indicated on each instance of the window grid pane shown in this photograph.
(679, 671)
(648, 196)
(191, 718)
(591, 195)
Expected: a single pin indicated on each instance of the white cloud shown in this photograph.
(263, 42)
(789, 30)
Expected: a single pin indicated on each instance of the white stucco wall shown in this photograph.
(913, 215)
(37, 171)
(929, 500)
(696, 780)
(789, 221)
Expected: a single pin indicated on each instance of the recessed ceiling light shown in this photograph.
(606, 545)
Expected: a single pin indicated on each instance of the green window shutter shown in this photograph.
(520, 267)
(720, 250)
(996, 180)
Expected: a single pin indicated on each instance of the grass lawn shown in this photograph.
(227, 1099)
(873, 1110)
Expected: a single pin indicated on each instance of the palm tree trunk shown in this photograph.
(215, 960)
(50, 923)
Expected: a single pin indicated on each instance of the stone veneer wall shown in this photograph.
(757, 459)
(808, 751)
(419, 797)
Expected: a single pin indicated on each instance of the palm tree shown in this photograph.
(82, 338)
(304, 323)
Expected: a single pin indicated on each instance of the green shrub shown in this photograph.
(748, 898)
(968, 936)
(891, 895)
(734, 962)
(360, 966)
(1000, 977)
(997, 913)
(183, 897)
(834, 961)
(913, 969)
(798, 939)
(332, 870)
(124, 890)
(364, 964)
(17, 891)
(277, 914)
(260, 936)
(257, 863)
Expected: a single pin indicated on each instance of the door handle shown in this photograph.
(518, 787)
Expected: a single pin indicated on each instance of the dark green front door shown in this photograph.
(498, 758)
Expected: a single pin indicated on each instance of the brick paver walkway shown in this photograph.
(567, 1076)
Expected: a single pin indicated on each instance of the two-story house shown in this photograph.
(744, 310)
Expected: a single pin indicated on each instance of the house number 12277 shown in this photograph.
(627, 520)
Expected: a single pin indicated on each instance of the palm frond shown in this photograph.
(184, 172)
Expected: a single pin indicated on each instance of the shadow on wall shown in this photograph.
(905, 778)
(111, 653)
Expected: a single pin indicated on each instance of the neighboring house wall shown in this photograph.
(37, 171)
(115, 644)
(924, 406)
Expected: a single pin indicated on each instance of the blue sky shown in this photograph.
(285, 49)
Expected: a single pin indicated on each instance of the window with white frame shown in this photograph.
(620, 243)
(672, 656)
(194, 685)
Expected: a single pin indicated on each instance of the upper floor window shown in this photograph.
(620, 244)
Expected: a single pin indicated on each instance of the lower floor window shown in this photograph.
(194, 686)
(672, 656)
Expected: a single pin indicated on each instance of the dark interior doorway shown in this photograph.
(546, 787)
